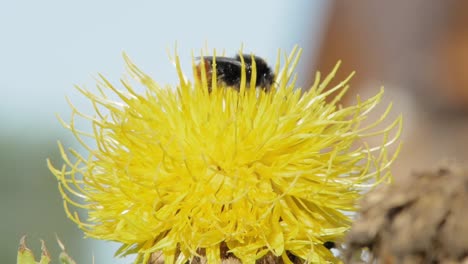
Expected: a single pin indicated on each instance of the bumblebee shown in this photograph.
(228, 71)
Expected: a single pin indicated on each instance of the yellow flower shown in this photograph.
(183, 170)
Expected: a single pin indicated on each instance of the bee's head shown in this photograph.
(265, 76)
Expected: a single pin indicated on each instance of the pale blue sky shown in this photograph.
(48, 46)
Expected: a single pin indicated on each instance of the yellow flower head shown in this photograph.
(186, 171)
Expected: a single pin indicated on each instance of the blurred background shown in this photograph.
(418, 50)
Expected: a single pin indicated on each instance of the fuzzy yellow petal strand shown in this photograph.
(182, 170)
